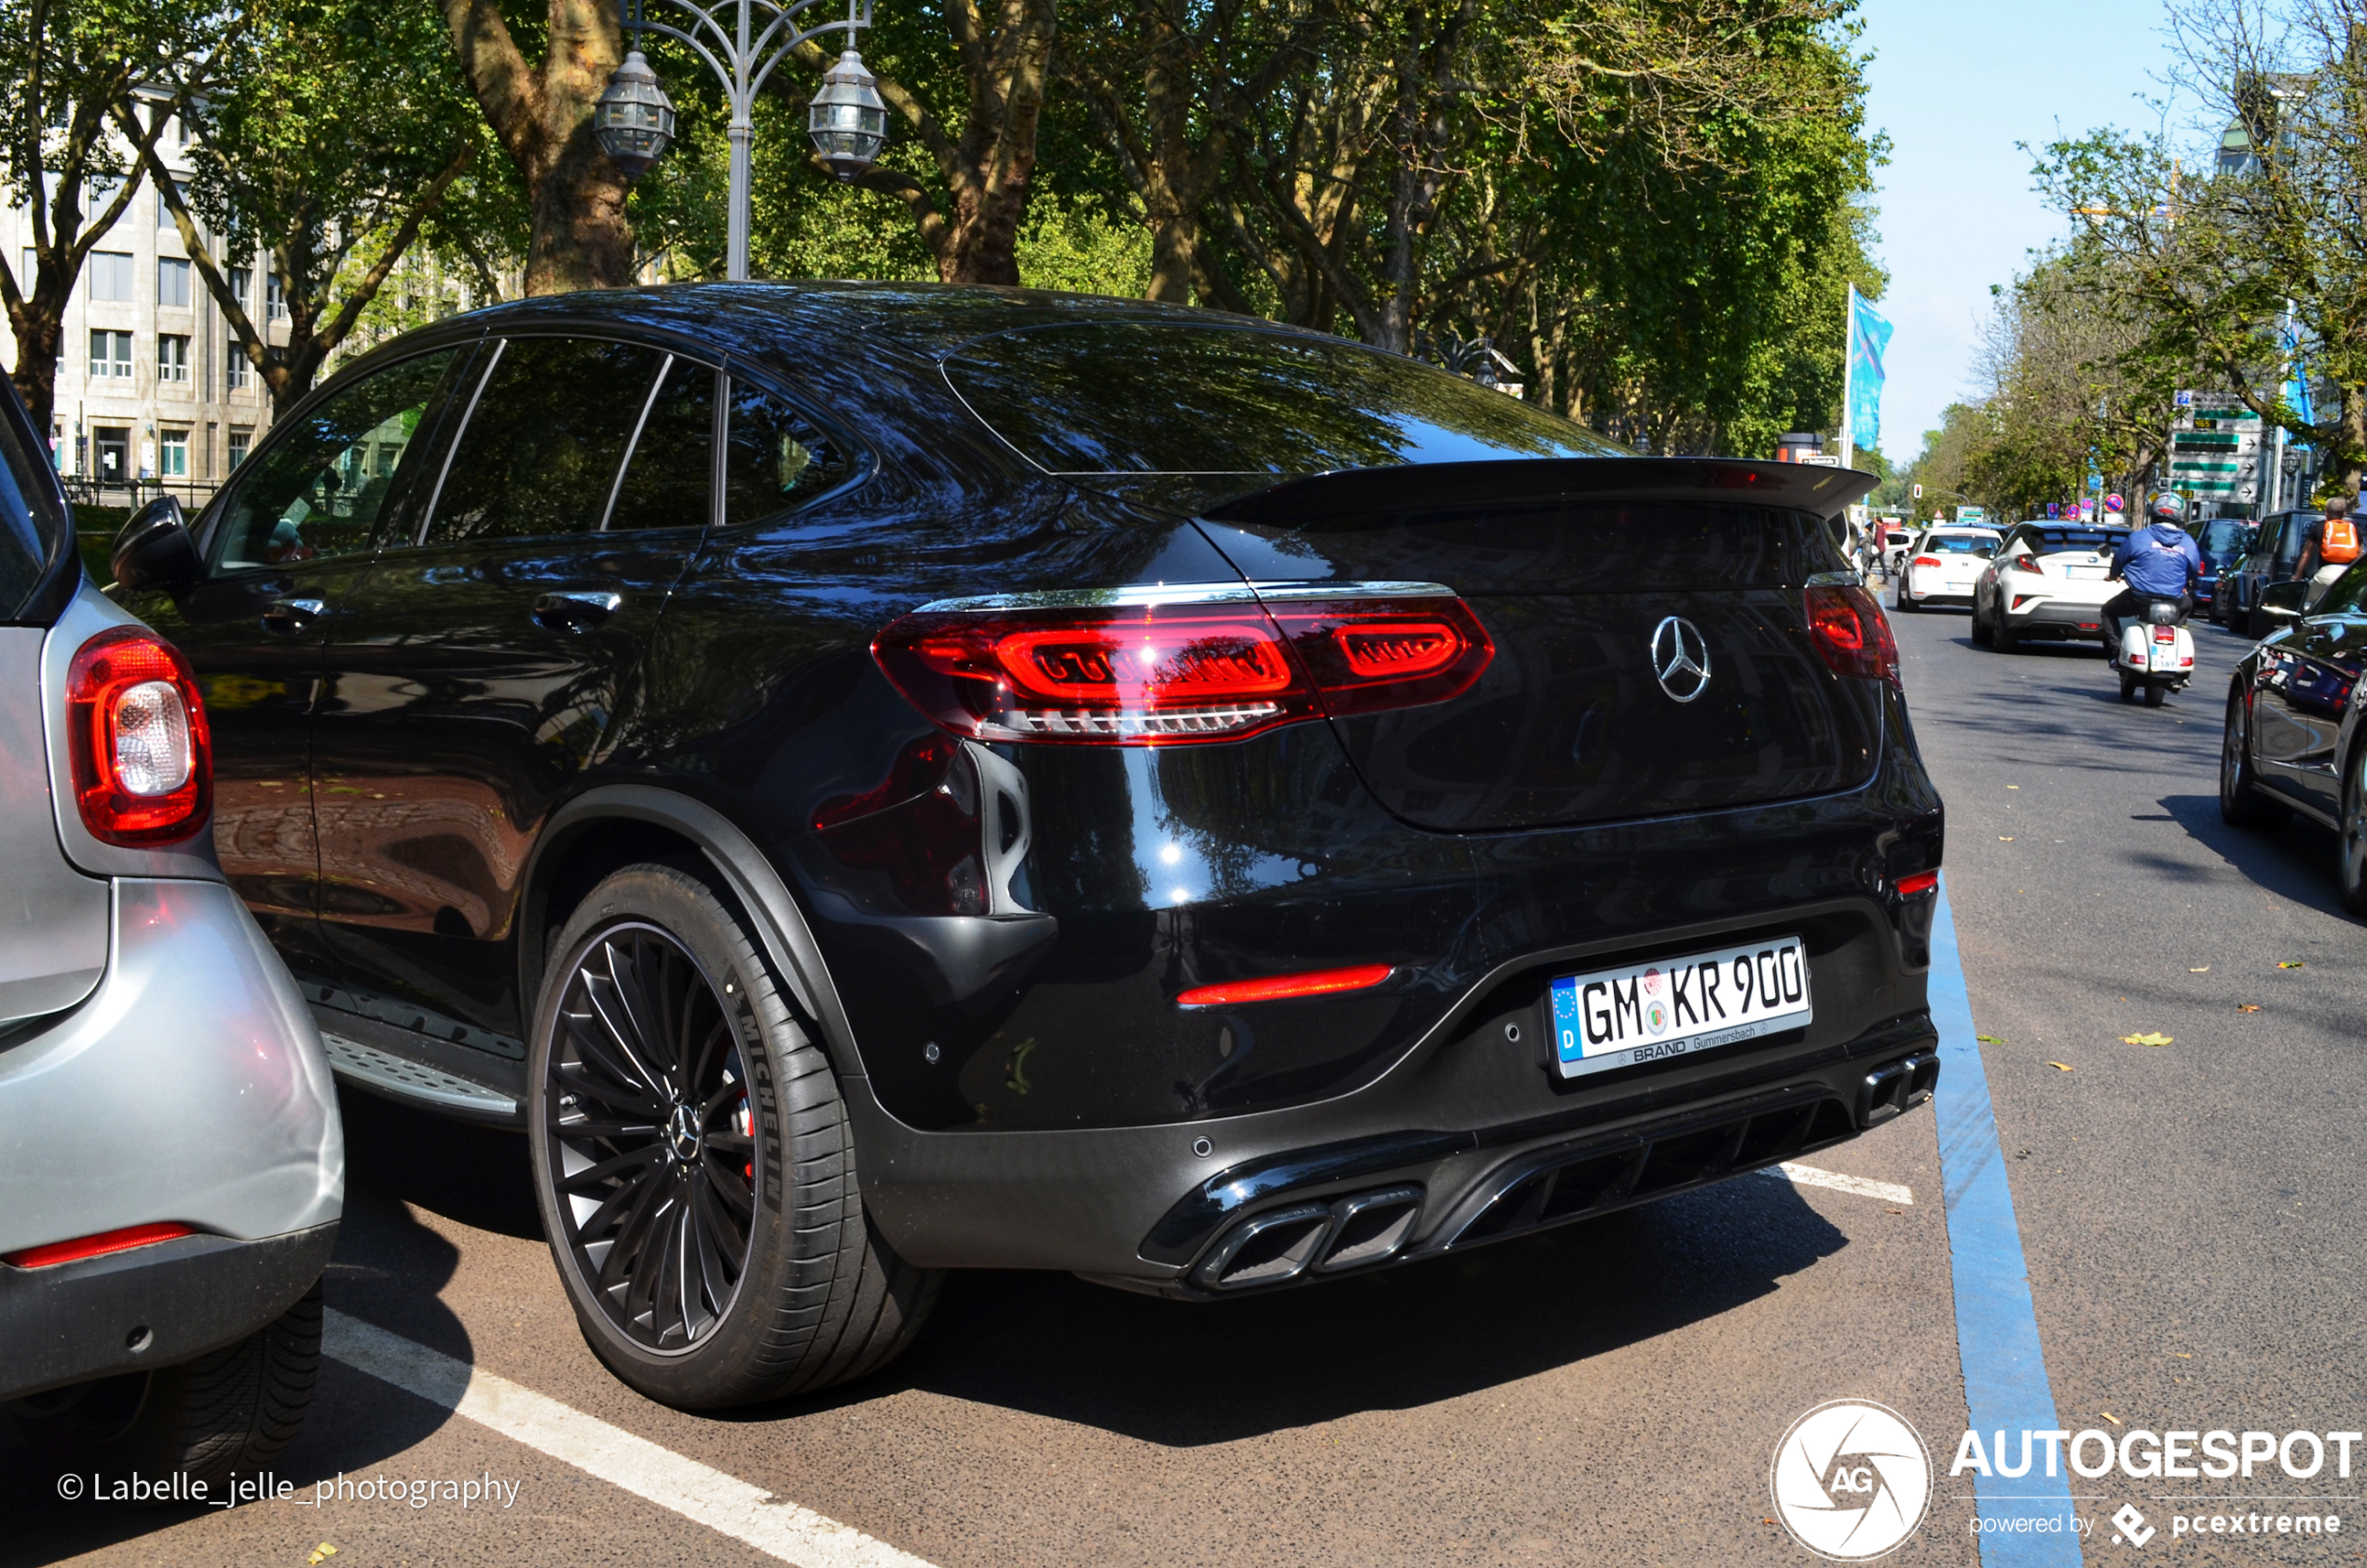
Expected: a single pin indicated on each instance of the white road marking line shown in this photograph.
(1809, 1176)
(722, 1503)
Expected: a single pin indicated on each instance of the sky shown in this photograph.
(1956, 85)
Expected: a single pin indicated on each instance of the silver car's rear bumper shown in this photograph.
(188, 1087)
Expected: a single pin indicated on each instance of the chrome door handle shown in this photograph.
(575, 609)
(291, 617)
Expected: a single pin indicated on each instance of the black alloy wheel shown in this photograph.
(1982, 635)
(2002, 635)
(693, 1159)
(2239, 800)
(650, 1137)
(2352, 865)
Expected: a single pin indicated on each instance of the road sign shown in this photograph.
(2215, 448)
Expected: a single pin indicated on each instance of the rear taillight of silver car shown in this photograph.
(143, 760)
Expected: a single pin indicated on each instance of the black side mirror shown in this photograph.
(156, 550)
(2280, 602)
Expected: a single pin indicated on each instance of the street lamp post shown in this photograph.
(742, 41)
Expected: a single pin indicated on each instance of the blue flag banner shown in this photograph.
(2297, 383)
(1868, 336)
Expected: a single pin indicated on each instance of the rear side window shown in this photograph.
(777, 459)
(319, 488)
(1156, 397)
(1957, 544)
(542, 450)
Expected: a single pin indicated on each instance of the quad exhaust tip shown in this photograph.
(1328, 1238)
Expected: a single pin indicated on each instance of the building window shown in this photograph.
(237, 373)
(172, 357)
(275, 306)
(241, 276)
(110, 275)
(111, 355)
(97, 192)
(172, 281)
(172, 454)
(240, 440)
(164, 208)
(31, 271)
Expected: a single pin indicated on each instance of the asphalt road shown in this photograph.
(1606, 1394)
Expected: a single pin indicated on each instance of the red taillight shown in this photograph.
(2164, 633)
(142, 759)
(1929, 561)
(1850, 633)
(2025, 564)
(1281, 988)
(99, 1246)
(1920, 883)
(1163, 674)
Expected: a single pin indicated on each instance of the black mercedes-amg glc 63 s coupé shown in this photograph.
(876, 780)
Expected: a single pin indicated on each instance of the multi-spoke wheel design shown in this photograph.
(650, 1144)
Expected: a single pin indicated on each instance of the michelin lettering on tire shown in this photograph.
(1850, 1481)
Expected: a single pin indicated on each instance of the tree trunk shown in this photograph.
(541, 114)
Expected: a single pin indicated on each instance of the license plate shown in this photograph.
(2083, 574)
(1616, 1017)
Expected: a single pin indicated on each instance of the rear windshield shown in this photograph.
(27, 513)
(1160, 398)
(1958, 544)
(2045, 540)
(2229, 536)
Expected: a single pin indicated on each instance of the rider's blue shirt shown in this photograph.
(2158, 559)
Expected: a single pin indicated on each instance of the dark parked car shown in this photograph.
(2271, 555)
(882, 780)
(2224, 541)
(2294, 741)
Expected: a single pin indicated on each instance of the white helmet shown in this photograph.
(2167, 506)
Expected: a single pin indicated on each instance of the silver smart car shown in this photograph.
(171, 1166)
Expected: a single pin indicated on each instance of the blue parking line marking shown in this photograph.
(2005, 1386)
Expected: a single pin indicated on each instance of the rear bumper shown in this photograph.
(153, 1306)
(2066, 618)
(188, 1087)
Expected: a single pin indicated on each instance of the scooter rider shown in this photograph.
(2159, 562)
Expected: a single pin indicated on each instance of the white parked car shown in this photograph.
(2047, 580)
(1942, 566)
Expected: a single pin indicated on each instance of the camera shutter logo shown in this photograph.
(1850, 1481)
(1680, 659)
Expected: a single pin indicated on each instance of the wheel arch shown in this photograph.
(613, 825)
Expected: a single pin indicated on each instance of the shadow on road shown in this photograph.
(1181, 1374)
(2296, 860)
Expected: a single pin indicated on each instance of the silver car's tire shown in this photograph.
(229, 1412)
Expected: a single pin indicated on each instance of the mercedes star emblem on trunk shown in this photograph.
(1680, 658)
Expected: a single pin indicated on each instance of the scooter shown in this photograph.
(2157, 654)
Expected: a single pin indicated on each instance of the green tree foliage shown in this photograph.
(2202, 256)
(287, 166)
(65, 66)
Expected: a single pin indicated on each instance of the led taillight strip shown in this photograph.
(1283, 987)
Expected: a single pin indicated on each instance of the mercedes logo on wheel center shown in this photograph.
(1680, 658)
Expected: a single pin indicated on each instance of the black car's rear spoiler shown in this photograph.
(1427, 486)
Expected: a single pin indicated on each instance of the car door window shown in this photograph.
(320, 488)
(776, 457)
(545, 440)
(669, 481)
